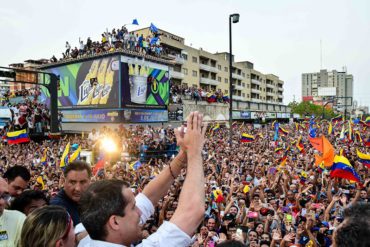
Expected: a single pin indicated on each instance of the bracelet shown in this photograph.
(172, 172)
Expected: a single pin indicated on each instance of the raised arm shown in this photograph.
(190, 210)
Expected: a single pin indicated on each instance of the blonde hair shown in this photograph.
(44, 227)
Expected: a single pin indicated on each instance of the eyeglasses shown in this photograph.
(5, 197)
(68, 227)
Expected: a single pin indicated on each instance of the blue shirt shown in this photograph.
(61, 199)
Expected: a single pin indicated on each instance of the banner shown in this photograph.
(90, 84)
(245, 114)
(145, 115)
(92, 116)
(144, 84)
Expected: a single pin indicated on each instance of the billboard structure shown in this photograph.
(144, 82)
(327, 91)
(112, 88)
(76, 90)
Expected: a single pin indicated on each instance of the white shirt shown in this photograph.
(168, 233)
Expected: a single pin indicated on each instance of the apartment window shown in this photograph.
(226, 91)
(247, 85)
(185, 71)
(226, 69)
(195, 59)
(219, 67)
(243, 74)
(219, 78)
(264, 89)
(243, 94)
(243, 84)
(247, 95)
(195, 73)
(226, 80)
(185, 56)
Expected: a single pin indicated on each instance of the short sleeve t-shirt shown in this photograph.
(11, 223)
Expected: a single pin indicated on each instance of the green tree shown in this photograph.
(306, 108)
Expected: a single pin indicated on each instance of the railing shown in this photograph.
(209, 81)
(236, 76)
(238, 87)
(236, 97)
(208, 68)
(256, 82)
(177, 75)
(270, 86)
(256, 91)
(270, 94)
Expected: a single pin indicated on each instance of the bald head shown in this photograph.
(3, 191)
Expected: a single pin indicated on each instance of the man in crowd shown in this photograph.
(18, 178)
(110, 214)
(11, 221)
(77, 176)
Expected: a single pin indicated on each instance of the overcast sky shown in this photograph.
(281, 37)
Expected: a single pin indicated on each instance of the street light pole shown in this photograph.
(235, 19)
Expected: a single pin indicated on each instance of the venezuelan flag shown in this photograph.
(259, 135)
(367, 143)
(307, 118)
(241, 126)
(342, 169)
(44, 160)
(293, 142)
(135, 165)
(226, 97)
(342, 135)
(277, 150)
(296, 126)
(337, 118)
(234, 124)
(64, 159)
(211, 97)
(331, 130)
(41, 182)
(273, 124)
(320, 168)
(75, 155)
(54, 135)
(358, 136)
(216, 195)
(364, 158)
(16, 137)
(246, 189)
(367, 121)
(283, 131)
(216, 128)
(247, 138)
(300, 148)
(302, 177)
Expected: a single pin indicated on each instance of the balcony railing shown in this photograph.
(256, 100)
(208, 68)
(176, 75)
(235, 97)
(238, 87)
(256, 82)
(236, 76)
(281, 89)
(256, 91)
(270, 94)
(209, 81)
(270, 86)
(179, 60)
(280, 96)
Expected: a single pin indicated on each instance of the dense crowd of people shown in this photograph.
(192, 187)
(116, 39)
(178, 93)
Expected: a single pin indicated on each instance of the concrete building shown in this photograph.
(199, 68)
(320, 86)
(29, 64)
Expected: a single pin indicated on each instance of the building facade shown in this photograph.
(321, 86)
(210, 71)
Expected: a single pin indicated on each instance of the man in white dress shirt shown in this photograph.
(112, 215)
